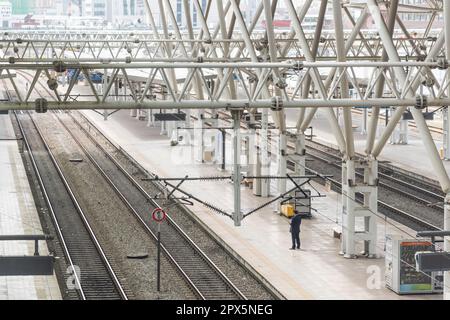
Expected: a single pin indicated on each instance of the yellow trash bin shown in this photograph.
(287, 210)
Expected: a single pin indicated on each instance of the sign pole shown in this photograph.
(158, 215)
(158, 271)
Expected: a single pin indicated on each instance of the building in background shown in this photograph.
(94, 8)
(125, 11)
(22, 6)
(179, 10)
(5, 13)
(414, 14)
(46, 7)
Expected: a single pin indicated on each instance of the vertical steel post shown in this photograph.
(225, 35)
(237, 214)
(351, 210)
(104, 85)
(265, 161)
(447, 197)
(282, 162)
(36, 247)
(224, 136)
(158, 262)
(252, 153)
(264, 151)
(370, 203)
(348, 209)
(446, 132)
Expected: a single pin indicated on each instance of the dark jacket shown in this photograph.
(295, 223)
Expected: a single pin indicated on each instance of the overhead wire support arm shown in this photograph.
(296, 184)
(156, 178)
(187, 178)
(281, 196)
(176, 187)
(199, 200)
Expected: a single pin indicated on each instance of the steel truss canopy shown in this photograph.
(371, 58)
(232, 64)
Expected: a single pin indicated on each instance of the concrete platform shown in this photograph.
(315, 272)
(18, 216)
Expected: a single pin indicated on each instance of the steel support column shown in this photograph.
(351, 210)
(379, 89)
(348, 203)
(446, 132)
(315, 46)
(315, 73)
(341, 57)
(417, 114)
(370, 206)
(358, 220)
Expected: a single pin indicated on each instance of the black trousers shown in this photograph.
(295, 239)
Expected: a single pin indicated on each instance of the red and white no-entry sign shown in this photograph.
(159, 215)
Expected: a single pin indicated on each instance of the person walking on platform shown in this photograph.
(295, 230)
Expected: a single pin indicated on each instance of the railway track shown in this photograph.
(416, 190)
(93, 276)
(393, 182)
(249, 281)
(205, 278)
(398, 207)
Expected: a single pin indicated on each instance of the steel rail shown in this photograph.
(137, 216)
(50, 207)
(82, 215)
(394, 210)
(135, 213)
(156, 205)
(386, 176)
(394, 180)
(55, 219)
(196, 220)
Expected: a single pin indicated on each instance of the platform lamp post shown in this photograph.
(447, 198)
